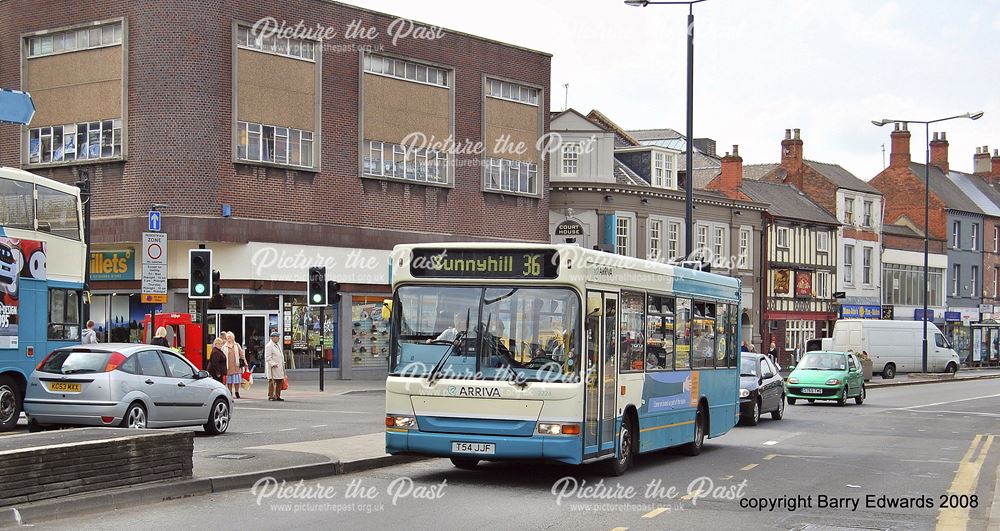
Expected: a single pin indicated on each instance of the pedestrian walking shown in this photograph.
(161, 337)
(274, 368)
(217, 365)
(236, 361)
(773, 353)
(89, 336)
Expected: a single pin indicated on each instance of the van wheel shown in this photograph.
(10, 403)
(951, 368)
(889, 372)
(860, 399)
(464, 464)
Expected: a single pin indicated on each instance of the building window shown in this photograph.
(797, 332)
(866, 265)
(719, 244)
(75, 142)
(408, 70)
(271, 143)
(702, 238)
(996, 239)
(996, 282)
(511, 91)
(782, 237)
(623, 229)
(868, 214)
(975, 237)
(746, 242)
(822, 242)
(956, 274)
(288, 47)
(76, 39)
(503, 175)
(64, 314)
(570, 159)
(974, 282)
(655, 251)
(822, 287)
(849, 210)
(383, 159)
(849, 264)
(956, 235)
(663, 170)
(673, 240)
(904, 285)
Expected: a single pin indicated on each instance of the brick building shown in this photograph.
(280, 150)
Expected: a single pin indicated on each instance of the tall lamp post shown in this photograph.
(689, 185)
(927, 178)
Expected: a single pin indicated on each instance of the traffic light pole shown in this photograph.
(322, 353)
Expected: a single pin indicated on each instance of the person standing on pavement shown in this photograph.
(274, 368)
(236, 361)
(217, 365)
(161, 337)
(744, 347)
(773, 353)
(89, 336)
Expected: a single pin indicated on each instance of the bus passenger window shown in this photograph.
(631, 332)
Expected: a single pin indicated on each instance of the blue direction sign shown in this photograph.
(16, 107)
(154, 221)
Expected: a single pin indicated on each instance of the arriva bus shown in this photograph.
(554, 352)
(42, 263)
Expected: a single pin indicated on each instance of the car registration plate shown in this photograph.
(811, 391)
(473, 448)
(63, 386)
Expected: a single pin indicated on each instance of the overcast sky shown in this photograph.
(828, 67)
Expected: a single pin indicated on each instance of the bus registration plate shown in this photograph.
(63, 386)
(473, 448)
(811, 391)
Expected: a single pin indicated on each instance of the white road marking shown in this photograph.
(770, 443)
(320, 426)
(288, 429)
(929, 461)
(302, 410)
(963, 413)
(253, 433)
(943, 403)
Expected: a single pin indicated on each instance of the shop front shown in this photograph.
(958, 329)
(986, 337)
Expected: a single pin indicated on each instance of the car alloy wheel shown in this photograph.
(220, 417)
(136, 417)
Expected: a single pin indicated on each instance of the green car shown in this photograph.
(824, 375)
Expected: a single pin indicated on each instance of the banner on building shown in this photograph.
(803, 284)
(112, 265)
(860, 311)
(19, 259)
(782, 282)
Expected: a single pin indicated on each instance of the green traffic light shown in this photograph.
(199, 288)
(317, 297)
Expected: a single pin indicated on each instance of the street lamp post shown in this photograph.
(927, 180)
(689, 156)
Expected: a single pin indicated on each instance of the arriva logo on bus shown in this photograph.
(479, 392)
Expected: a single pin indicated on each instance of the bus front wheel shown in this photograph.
(10, 403)
(464, 464)
(626, 442)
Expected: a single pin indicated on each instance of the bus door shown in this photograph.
(601, 371)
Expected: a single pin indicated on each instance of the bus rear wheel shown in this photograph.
(694, 447)
(464, 463)
(10, 403)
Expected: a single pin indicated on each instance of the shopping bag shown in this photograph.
(247, 382)
(247, 375)
(284, 383)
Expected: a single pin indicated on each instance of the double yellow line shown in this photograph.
(965, 481)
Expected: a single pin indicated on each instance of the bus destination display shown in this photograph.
(483, 263)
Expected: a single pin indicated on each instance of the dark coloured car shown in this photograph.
(762, 389)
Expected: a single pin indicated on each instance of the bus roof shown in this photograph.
(15, 174)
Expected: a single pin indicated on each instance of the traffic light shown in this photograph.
(333, 291)
(200, 274)
(216, 302)
(316, 295)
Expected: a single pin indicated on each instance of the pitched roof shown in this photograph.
(625, 175)
(841, 177)
(622, 138)
(946, 190)
(655, 134)
(900, 230)
(756, 172)
(786, 202)
(982, 193)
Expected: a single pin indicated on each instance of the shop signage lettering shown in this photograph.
(112, 265)
(859, 311)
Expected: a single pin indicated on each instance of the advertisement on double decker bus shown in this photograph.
(18, 259)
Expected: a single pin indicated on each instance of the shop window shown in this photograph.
(303, 325)
(630, 332)
(703, 335)
(659, 333)
(369, 333)
(682, 335)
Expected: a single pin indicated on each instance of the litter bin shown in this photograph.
(866, 367)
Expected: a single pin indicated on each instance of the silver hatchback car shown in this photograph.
(125, 384)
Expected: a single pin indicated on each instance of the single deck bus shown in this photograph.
(42, 264)
(554, 352)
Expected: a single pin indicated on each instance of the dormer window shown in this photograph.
(664, 175)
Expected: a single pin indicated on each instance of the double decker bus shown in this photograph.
(42, 265)
(555, 352)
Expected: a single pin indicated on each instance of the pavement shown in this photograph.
(905, 445)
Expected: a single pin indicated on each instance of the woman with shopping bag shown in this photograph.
(274, 368)
(236, 363)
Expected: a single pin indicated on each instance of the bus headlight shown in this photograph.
(398, 421)
(744, 393)
(558, 429)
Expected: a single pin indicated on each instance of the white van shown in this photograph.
(895, 346)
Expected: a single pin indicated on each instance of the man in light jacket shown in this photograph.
(274, 368)
(89, 336)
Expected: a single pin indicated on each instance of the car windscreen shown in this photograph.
(748, 366)
(75, 362)
(823, 361)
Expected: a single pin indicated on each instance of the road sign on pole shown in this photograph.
(154, 221)
(16, 107)
(154, 267)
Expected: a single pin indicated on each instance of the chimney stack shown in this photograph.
(791, 157)
(995, 162)
(730, 180)
(981, 161)
(899, 156)
(939, 152)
